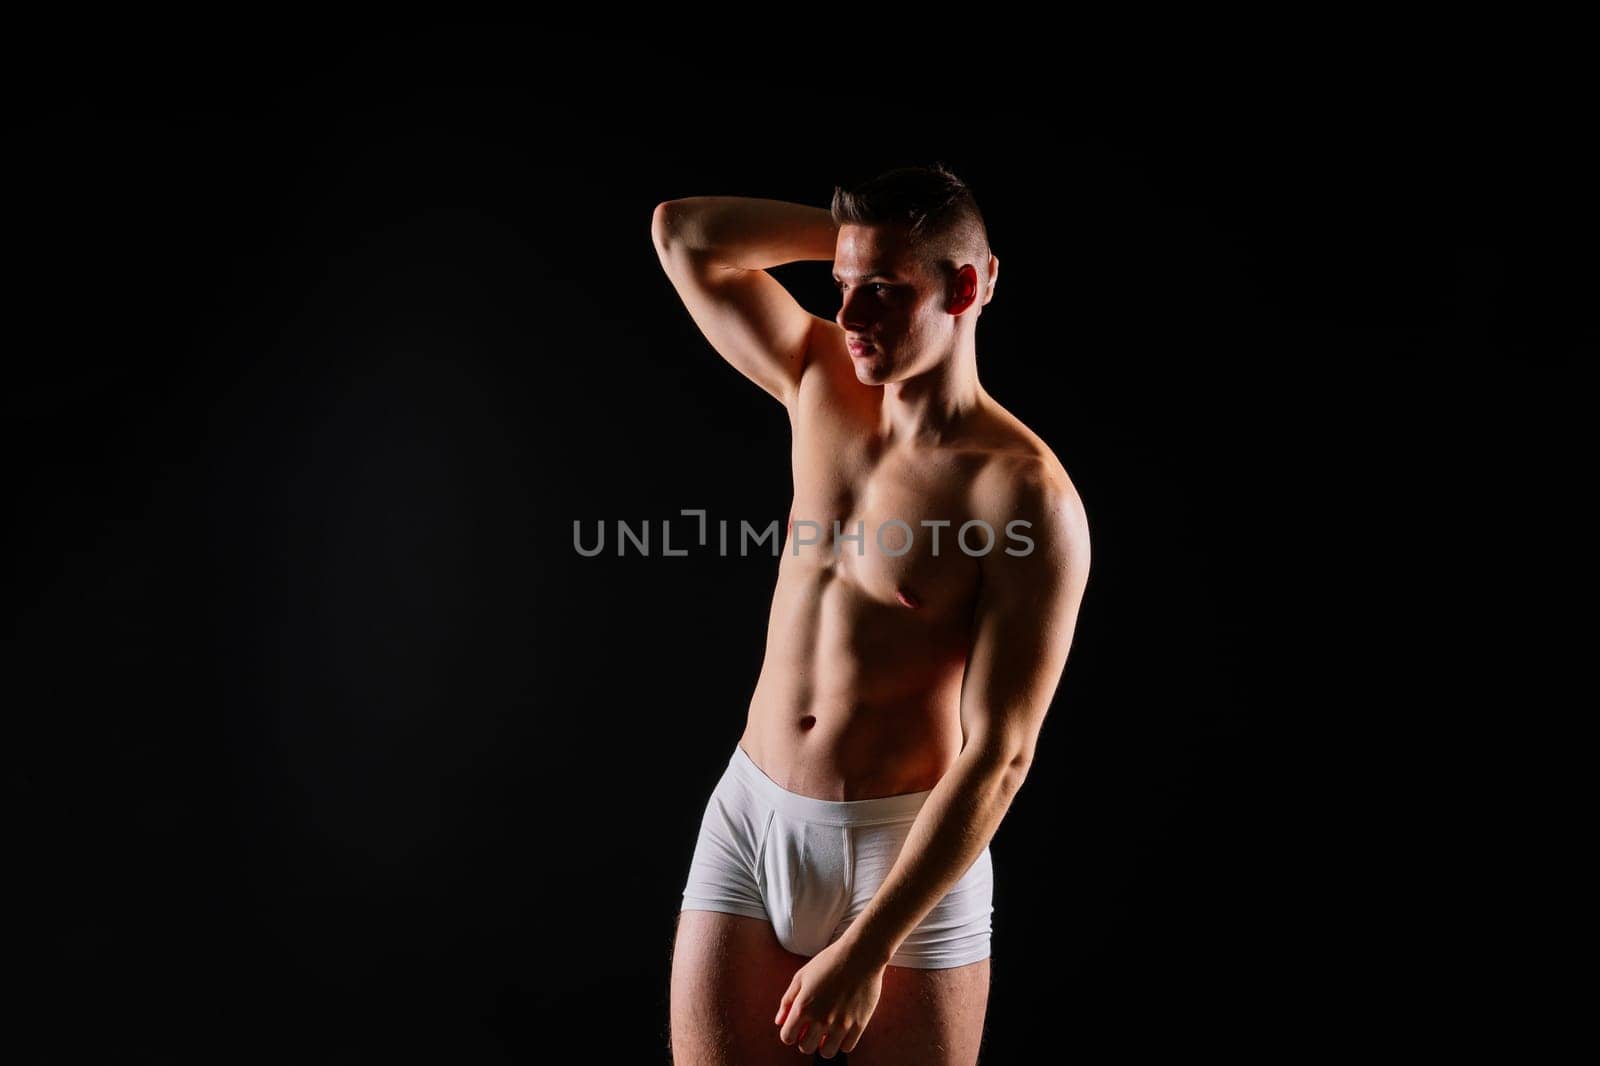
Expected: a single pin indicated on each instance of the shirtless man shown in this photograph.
(840, 892)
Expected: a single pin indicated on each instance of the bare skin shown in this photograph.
(867, 687)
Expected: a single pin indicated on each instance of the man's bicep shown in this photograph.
(1023, 625)
(746, 315)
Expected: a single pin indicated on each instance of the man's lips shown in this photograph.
(857, 347)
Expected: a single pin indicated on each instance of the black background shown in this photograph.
(330, 747)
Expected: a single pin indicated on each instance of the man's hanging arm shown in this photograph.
(1023, 624)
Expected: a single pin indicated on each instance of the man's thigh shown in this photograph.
(927, 1017)
(728, 975)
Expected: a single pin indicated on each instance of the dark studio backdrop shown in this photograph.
(331, 748)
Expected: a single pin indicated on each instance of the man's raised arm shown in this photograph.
(716, 251)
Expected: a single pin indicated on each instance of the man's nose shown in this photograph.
(852, 313)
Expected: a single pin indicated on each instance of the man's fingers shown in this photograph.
(784, 1003)
(794, 1025)
(831, 1043)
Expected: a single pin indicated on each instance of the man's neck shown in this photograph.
(930, 408)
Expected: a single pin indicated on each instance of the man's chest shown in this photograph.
(897, 525)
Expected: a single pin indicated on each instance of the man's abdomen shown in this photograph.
(855, 700)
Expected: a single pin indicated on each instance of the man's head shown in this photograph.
(912, 263)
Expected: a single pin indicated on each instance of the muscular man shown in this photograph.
(840, 892)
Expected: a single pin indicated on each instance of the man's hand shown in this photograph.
(830, 1000)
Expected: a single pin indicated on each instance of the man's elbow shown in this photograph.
(1005, 754)
(661, 224)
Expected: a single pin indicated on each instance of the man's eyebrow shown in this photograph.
(869, 277)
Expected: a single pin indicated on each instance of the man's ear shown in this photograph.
(994, 277)
(968, 283)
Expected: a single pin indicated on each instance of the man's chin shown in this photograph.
(872, 371)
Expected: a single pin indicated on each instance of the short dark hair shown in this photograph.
(937, 208)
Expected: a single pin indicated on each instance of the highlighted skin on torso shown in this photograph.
(867, 640)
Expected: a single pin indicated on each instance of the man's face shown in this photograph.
(888, 306)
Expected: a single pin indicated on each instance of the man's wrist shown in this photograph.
(860, 942)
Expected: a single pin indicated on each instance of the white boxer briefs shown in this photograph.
(810, 866)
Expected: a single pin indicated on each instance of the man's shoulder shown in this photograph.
(1023, 479)
(1018, 461)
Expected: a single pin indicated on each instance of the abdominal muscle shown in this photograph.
(857, 699)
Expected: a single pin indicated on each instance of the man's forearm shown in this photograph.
(747, 232)
(951, 830)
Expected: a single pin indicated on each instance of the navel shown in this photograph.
(807, 721)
